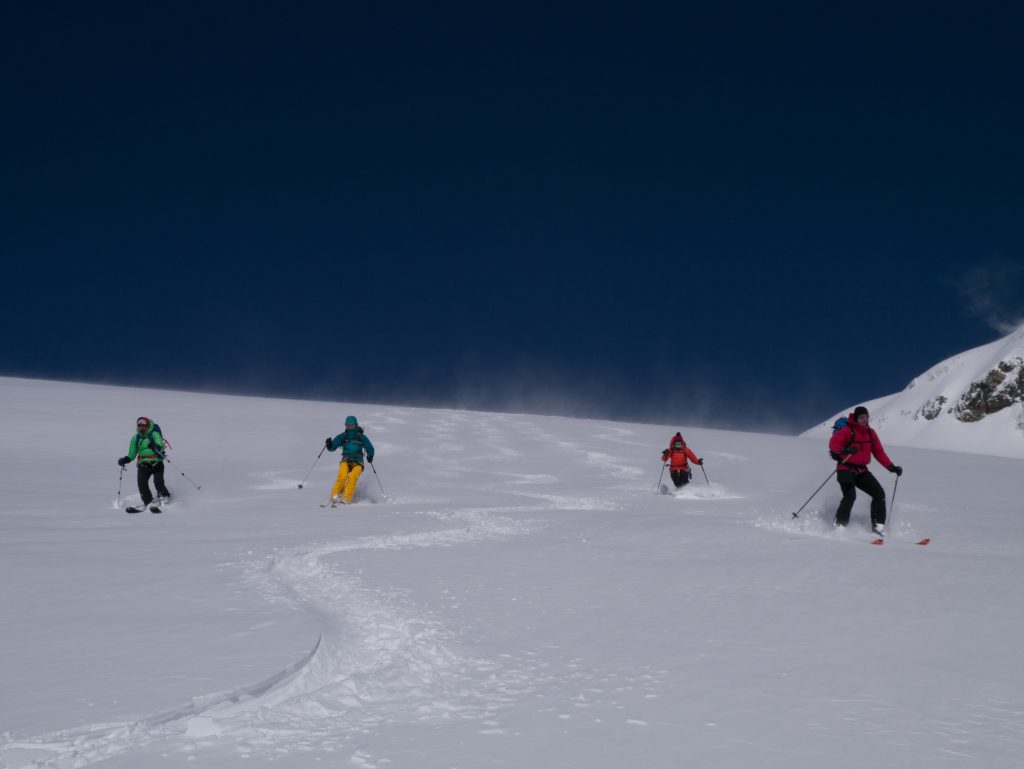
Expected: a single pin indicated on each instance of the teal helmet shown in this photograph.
(351, 422)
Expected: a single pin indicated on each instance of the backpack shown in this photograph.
(838, 425)
(158, 431)
(359, 439)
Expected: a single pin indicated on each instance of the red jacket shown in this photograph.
(678, 456)
(864, 440)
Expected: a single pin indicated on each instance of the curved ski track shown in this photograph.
(377, 660)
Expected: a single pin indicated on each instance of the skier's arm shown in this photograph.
(691, 456)
(879, 452)
(332, 443)
(157, 444)
(133, 448)
(368, 446)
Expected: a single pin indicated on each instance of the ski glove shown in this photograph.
(369, 458)
(123, 461)
(835, 456)
(850, 450)
(896, 469)
(327, 443)
(700, 461)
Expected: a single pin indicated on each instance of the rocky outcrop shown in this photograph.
(931, 408)
(1001, 388)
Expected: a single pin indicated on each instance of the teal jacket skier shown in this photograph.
(353, 444)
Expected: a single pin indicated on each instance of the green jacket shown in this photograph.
(146, 445)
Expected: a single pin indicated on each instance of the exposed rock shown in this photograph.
(931, 408)
(1001, 388)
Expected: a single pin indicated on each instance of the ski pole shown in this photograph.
(322, 450)
(165, 459)
(375, 475)
(797, 513)
(892, 503)
(657, 489)
(120, 477)
(704, 471)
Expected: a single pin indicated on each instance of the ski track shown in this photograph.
(378, 660)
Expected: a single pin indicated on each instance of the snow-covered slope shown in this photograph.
(523, 601)
(972, 402)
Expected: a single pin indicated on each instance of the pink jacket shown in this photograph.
(864, 440)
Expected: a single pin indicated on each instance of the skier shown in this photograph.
(352, 442)
(676, 455)
(852, 446)
(148, 445)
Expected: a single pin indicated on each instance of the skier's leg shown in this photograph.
(678, 477)
(158, 480)
(144, 471)
(868, 483)
(354, 472)
(848, 485)
(339, 483)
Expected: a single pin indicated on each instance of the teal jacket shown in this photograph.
(352, 444)
(146, 446)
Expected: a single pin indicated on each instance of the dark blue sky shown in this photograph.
(728, 215)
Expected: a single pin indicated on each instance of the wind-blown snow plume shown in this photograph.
(992, 292)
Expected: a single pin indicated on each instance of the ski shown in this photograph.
(154, 509)
(881, 541)
(134, 509)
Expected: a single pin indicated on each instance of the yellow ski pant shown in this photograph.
(348, 476)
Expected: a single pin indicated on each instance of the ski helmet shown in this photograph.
(351, 422)
(143, 424)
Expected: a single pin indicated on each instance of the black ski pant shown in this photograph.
(849, 482)
(154, 470)
(680, 477)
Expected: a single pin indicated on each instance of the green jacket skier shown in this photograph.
(149, 448)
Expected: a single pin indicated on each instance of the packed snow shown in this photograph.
(507, 591)
(924, 413)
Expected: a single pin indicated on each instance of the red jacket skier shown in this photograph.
(852, 446)
(676, 455)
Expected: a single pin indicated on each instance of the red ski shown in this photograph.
(881, 541)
